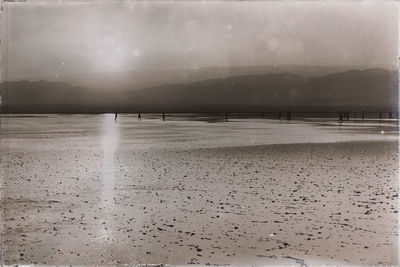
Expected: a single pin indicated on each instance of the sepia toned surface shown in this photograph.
(84, 189)
(267, 186)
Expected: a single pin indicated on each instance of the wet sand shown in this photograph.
(91, 199)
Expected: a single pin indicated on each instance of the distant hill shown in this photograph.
(138, 79)
(50, 97)
(371, 89)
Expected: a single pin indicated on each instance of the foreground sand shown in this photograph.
(334, 203)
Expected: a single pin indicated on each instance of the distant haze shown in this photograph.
(81, 42)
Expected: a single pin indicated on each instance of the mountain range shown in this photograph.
(134, 80)
(369, 90)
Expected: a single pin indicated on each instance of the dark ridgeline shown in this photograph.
(350, 91)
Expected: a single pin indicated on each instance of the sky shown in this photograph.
(52, 39)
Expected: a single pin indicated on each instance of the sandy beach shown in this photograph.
(76, 194)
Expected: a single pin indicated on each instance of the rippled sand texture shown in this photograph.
(87, 190)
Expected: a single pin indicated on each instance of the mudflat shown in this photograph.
(114, 201)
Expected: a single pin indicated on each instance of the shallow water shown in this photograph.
(152, 132)
(84, 189)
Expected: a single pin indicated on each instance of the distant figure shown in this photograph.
(116, 115)
(163, 116)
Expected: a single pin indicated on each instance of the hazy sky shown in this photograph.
(58, 39)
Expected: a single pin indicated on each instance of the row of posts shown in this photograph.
(280, 116)
(342, 116)
(140, 116)
(345, 116)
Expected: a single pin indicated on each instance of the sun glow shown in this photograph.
(109, 54)
(108, 51)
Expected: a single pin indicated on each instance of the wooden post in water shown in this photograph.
(163, 116)
(139, 117)
(288, 115)
(340, 117)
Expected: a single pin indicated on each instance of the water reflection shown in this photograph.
(110, 140)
